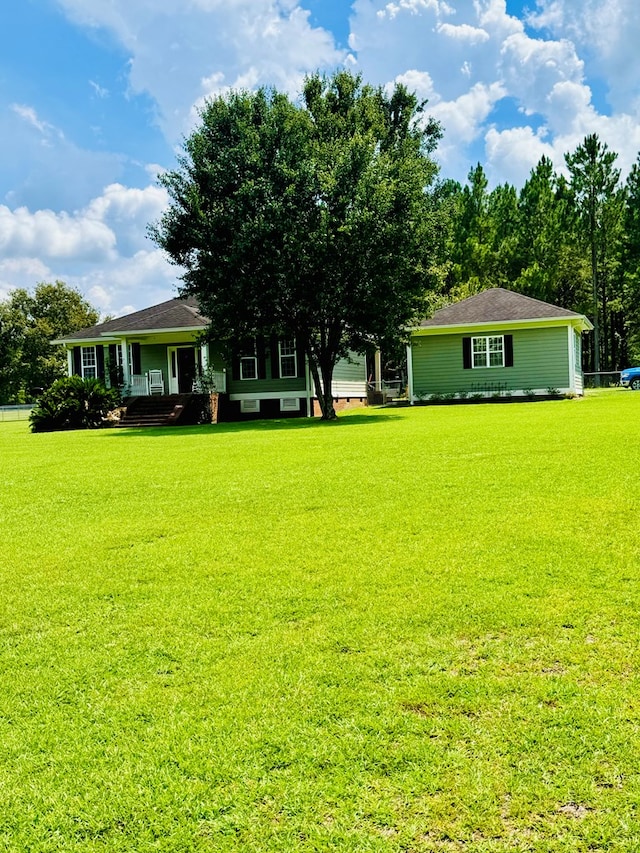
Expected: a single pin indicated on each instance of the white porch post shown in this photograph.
(204, 356)
(377, 371)
(572, 360)
(126, 373)
(70, 362)
(307, 385)
(410, 372)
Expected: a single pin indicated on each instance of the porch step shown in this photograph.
(154, 411)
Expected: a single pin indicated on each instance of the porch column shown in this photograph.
(572, 360)
(410, 372)
(204, 356)
(377, 370)
(70, 362)
(126, 373)
(307, 385)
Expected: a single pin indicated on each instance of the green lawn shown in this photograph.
(411, 630)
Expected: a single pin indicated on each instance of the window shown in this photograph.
(89, 364)
(577, 350)
(290, 404)
(488, 352)
(287, 354)
(248, 367)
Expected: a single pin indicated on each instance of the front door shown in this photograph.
(182, 369)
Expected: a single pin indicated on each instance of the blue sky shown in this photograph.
(96, 96)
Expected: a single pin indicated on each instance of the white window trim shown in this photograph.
(487, 351)
(289, 355)
(89, 367)
(243, 360)
(290, 404)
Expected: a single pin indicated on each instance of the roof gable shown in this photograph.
(497, 305)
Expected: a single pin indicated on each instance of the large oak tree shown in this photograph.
(311, 220)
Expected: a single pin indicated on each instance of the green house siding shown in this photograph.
(264, 386)
(540, 361)
(154, 357)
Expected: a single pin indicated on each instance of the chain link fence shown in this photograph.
(15, 413)
(602, 379)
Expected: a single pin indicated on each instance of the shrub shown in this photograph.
(73, 403)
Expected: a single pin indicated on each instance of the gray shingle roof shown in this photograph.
(173, 314)
(496, 305)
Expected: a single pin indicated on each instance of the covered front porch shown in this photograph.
(150, 366)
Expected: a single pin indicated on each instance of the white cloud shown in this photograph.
(413, 7)
(176, 48)
(99, 90)
(127, 211)
(22, 272)
(531, 68)
(511, 154)
(609, 32)
(53, 235)
(463, 118)
(127, 284)
(30, 116)
(464, 33)
(101, 249)
(419, 82)
(44, 169)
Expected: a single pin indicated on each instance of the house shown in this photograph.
(497, 343)
(161, 351)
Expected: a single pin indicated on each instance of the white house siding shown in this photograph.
(350, 377)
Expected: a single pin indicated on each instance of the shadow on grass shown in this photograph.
(276, 424)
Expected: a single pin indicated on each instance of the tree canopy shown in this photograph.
(310, 220)
(28, 324)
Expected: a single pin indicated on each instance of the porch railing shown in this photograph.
(138, 386)
(216, 380)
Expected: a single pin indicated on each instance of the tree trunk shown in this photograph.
(322, 381)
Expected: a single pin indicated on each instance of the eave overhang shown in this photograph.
(578, 322)
(115, 337)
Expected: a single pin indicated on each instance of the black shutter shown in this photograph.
(466, 353)
(262, 357)
(235, 365)
(275, 358)
(136, 365)
(113, 357)
(508, 350)
(299, 360)
(100, 361)
(77, 361)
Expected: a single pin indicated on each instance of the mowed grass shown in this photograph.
(411, 630)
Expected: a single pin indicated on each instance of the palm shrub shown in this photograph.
(73, 403)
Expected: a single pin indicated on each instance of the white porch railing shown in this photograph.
(138, 385)
(216, 380)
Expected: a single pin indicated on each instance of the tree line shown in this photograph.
(28, 324)
(572, 240)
